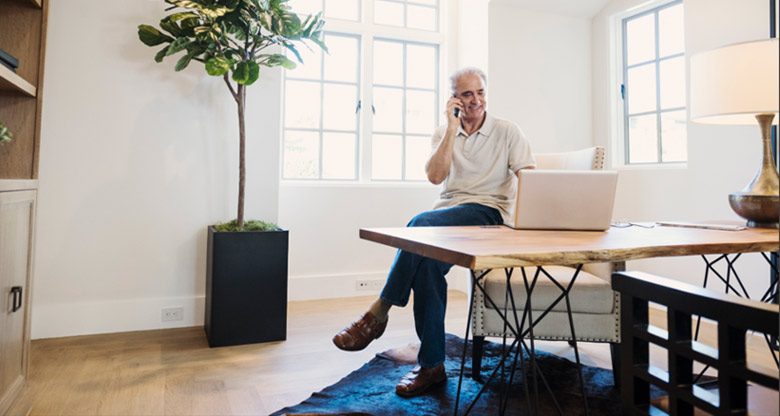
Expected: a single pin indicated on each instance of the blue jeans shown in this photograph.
(426, 277)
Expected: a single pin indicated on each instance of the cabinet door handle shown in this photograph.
(17, 291)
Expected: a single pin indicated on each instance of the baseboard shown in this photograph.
(87, 318)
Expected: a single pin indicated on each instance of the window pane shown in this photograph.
(386, 157)
(671, 38)
(642, 139)
(641, 89)
(306, 7)
(338, 107)
(420, 17)
(341, 63)
(342, 9)
(302, 104)
(388, 103)
(311, 68)
(420, 112)
(301, 154)
(673, 83)
(673, 137)
(418, 148)
(640, 39)
(428, 2)
(338, 155)
(388, 63)
(421, 66)
(387, 13)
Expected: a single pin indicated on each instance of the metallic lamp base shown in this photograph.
(759, 202)
(761, 211)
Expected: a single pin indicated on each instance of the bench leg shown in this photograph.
(476, 357)
(614, 349)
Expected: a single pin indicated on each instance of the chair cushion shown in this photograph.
(590, 294)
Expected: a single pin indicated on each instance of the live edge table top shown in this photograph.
(492, 247)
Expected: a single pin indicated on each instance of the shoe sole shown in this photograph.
(423, 390)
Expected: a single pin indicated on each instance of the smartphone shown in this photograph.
(455, 111)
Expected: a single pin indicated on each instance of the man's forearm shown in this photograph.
(438, 165)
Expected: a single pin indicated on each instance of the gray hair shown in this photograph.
(469, 70)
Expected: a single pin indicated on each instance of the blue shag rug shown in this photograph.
(370, 390)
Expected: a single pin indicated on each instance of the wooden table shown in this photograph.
(493, 247)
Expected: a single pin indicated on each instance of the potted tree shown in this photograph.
(246, 282)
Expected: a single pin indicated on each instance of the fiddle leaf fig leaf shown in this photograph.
(181, 16)
(277, 60)
(183, 62)
(292, 49)
(254, 73)
(171, 27)
(151, 36)
(241, 73)
(246, 73)
(160, 55)
(178, 45)
(217, 66)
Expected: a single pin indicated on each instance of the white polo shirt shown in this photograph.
(484, 165)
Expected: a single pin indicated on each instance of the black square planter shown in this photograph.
(246, 287)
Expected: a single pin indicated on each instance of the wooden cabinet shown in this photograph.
(23, 36)
(17, 212)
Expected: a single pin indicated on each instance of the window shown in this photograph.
(653, 86)
(365, 111)
(320, 120)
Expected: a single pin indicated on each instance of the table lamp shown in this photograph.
(737, 85)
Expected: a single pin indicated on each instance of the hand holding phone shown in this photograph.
(454, 102)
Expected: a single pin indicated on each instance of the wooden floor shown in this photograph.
(174, 372)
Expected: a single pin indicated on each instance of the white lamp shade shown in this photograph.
(731, 84)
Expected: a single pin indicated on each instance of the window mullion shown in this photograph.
(626, 92)
(358, 143)
(403, 111)
(658, 87)
(368, 101)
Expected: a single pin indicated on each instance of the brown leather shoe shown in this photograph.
(360, 333)
(420, 379)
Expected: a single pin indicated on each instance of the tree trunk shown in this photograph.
(241, 154)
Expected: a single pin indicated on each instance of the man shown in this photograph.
(476, 157)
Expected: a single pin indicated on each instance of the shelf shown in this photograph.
(7, 185)
(9, 81)
(37, 3)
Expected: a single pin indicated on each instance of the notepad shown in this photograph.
(703, 225)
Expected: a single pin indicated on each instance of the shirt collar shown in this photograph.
(485, 130)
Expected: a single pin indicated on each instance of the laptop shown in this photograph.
(565, 200)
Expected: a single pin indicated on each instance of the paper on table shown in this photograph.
(706, 226)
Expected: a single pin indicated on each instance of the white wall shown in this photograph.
(135, 161)
(721, 159)
(540, 75)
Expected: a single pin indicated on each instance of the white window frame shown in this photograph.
(366, 30)
(618, 139)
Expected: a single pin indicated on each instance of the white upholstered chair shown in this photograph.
(595, 307)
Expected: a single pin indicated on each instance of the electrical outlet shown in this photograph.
(172, 314)
(370, 284)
